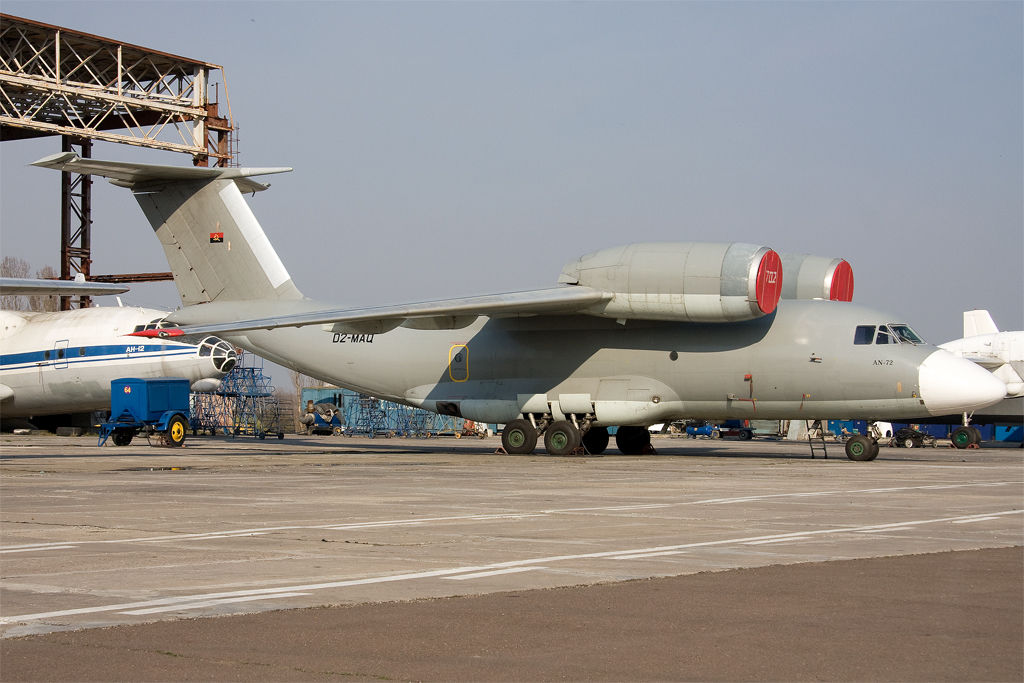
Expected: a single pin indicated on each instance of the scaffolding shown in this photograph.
(244, 405)
(366, 415)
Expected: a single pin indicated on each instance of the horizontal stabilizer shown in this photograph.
(556, 300)
(17, 286)
(130, 174)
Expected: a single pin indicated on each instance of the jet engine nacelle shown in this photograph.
(816, 277)
(681, 281)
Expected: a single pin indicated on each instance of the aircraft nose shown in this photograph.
(951, 385)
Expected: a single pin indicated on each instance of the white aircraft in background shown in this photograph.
(1002, 354)
(59, 363)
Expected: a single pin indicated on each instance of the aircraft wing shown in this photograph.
(440, 314)
(21, 286)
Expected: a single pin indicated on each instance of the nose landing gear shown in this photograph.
(861, 448)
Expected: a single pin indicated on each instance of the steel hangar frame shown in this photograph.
(83, 87)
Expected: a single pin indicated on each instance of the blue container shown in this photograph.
(147, 400)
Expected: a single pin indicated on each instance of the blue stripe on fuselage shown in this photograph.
(85, 354)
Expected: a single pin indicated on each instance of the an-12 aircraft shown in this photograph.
(61, 363)
(631, 336)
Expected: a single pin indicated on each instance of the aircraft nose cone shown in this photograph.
(951, 385)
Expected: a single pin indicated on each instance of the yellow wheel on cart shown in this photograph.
(176, 431)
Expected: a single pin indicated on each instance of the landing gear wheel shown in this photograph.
(176, 431)
(977, 435)
(561, 438)
(632, 440)
(519, 437)
(962, 437)
(596, 440)
(861, 448)
(122, 437)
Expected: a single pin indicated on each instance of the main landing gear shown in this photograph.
(563, 437)
(633, 440)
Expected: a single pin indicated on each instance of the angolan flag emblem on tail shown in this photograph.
(216, 237)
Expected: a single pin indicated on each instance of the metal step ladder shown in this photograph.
(816, 438)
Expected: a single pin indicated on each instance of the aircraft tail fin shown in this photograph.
(214, 245)
(978, 322)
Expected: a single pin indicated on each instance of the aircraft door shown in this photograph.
(60, 354)
(458, 362)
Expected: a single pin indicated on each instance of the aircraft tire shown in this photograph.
(122, 437)
(176, 429)
(976, 433)
(561, 438)
(596, 440)
(632, 440)
(962, 437)
(519, 437)
(861, 448)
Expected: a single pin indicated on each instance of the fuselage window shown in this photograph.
(865, 334)
(81, 351)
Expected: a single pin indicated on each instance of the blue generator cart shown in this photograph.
(155, 407)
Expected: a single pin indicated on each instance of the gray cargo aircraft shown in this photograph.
(632, 336)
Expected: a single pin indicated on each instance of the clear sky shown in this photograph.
(447, 149)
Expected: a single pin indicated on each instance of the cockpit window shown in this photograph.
(905, 334)
(865, 334)
(893, 333)
(157, 324)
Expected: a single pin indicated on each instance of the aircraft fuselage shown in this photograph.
(800, 361)
(64, 361)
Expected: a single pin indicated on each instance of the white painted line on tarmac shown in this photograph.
(496, 572)
(978, 519)
(895, 528)
(638, 556)
(183, 606)
(33, 549)
(335, 526)
(779, 540)
(435, 573)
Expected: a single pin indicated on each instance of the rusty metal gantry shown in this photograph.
(58, 81)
